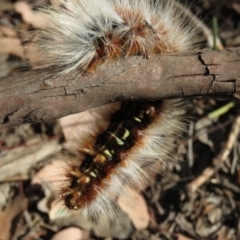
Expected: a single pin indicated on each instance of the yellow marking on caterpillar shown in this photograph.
(119, 141)
(137, 119)
(126, 134)
(107, 152)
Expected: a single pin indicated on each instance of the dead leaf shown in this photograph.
(135, 206)
(182, 237)
(11, 46)
(34, 18)
(8, 32)
(8, 215)
(72, 233)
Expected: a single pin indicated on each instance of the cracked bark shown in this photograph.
(40, 95)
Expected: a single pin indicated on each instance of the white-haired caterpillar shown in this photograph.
(84, 34)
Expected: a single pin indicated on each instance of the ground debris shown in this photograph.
(198, 198)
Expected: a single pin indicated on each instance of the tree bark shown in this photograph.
(41, 95)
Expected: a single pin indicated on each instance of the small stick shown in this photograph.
(209, 171)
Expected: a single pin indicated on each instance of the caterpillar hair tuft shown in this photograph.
(85, 34)
(121, 143)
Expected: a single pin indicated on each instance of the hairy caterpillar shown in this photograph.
(123, 145)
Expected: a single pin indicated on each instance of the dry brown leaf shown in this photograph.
(8, 32)
(72, 233)
(135, 206)
(12, 210)
(25, 158)
(11, 46)
(29, 16)
(182, 237)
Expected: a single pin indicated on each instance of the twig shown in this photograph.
(40, 95)
(209, 171)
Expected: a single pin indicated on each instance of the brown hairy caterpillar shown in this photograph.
(126, 142)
